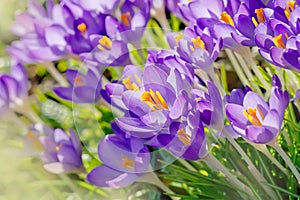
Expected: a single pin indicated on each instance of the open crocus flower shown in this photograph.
(196, 46)
(278, 37)
(162, 98)
(85, 88)
(134, 18)
(105, 7)
(257, 120)
(131, 80)
(124, 161)
(61, 151)
(42, 33)
(13, 88)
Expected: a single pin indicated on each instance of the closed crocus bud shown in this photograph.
(13, 88)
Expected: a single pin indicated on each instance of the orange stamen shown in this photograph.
(278, 41)
(104, 43)
(250, 114)
(82, 28)
(154, 100)
(184, 137)
(126, 19)
(130, 85)
(225, 17)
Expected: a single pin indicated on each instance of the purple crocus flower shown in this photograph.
(84, 88)
(196, 46)
(162, 98)
(42, 33)
(130, 80)
(185, 139)
(134, 18)
(210, 106)
(13, 88)
(124, 161)
(61, 150)
(256, 120)
(278, 39)
(105, 7)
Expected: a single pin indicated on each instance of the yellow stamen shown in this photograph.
(289, 8)
(254, 22)
(154, 100)
(278, 41)
(184, 137)
(130, 85)
(250, 114)
(198, 99)
(178, 37)
(57, 148)
(82, 28)
(126, 19)
(192, 48)
(225, 17)
(127, 162)
(78, 80)
(138, 80)
(104, 42)
(198, 43)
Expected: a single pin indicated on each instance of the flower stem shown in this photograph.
(213, 77)
(247, 71)
(152, 178)
(160, 16)
(55, 74)
(287, 160)
(251, 166)
(236, 67)
(218, 166)
(262, 148)
(249, 59)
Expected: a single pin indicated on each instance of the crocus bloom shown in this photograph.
(134, 18)
(130, 80)
(257, 120)
(85, 88)
(196, 46)
(42, 34)
(162, 98)
(61, 150)
(185, 139)
(278, 38)
(124, 161)
(210, 106)
(13, 88)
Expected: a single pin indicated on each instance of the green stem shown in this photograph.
(152, 178)
(251, 166)
(237, 68)
(287, 160)
(218, 166)
(262, 148)
(213, 77)
(55, 74)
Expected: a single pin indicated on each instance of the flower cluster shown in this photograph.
(175, 101)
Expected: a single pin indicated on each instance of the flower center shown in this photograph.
(279, 42)
(260, 16)
(82, 28)
(197, 43)
(154, 100)
(127, 163)
(184, 137)
(126, 19)
(289, 8)
(130, 85)
(57, 148)
(104, 43)
(250, 114)
(225, 17)
(78, 80)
